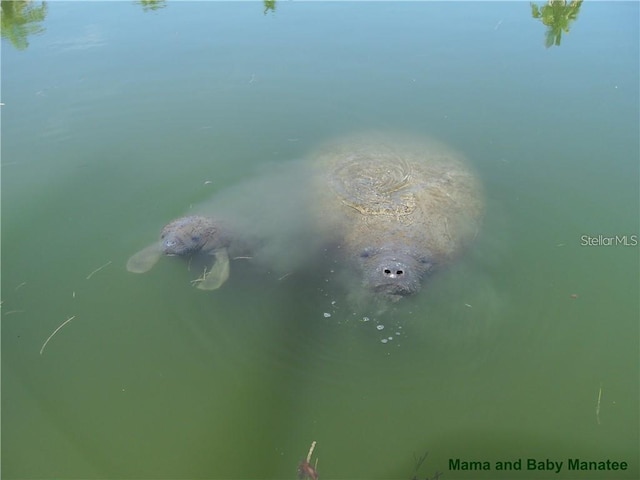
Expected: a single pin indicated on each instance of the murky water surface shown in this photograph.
(118, 117)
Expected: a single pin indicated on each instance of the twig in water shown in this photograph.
(54, 332)
(305, 470)
(13, 311)
(98, 269)
(598, 405)
(241, 258)
(420, 461)
(285, 276)
(201, 279)
(21, 285)
(313, 445)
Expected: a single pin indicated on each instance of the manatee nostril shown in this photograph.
(392, 272)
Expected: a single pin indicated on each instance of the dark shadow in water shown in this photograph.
(557, 15)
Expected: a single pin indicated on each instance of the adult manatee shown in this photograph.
(398, 207)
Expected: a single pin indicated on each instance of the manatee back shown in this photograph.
(379, 189)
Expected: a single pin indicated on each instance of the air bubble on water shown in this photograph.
(390, 338)
(384, 340)
(333, 302)
(380, 327)
(397, 333)
(326, 314)
(365, 319)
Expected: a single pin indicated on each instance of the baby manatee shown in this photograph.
(187, 236)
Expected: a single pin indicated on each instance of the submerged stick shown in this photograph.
(420, 461)
(305, 470)
(202, 278)
(313, 445)
(598, 405)
(98, 269)
(54, 332)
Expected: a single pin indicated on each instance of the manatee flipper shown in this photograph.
(145, 259)
(214, 278)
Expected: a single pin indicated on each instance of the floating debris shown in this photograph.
(305, 470)
(326, 314)
(54, 332)
(98, 269)
(380, 327)
(598, 405)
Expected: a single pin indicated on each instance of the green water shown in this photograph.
(118, 118)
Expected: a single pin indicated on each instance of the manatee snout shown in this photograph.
(392, 273)
(170, 247)
(172, 244)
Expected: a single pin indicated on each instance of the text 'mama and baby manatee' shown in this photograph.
(533, 464)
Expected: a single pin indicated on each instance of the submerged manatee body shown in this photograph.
(390, 210)
(187, 236)
(399, 207)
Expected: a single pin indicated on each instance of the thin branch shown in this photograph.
(98, 269)
(54, 332)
